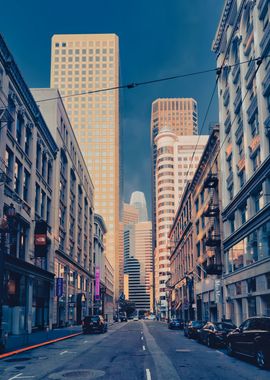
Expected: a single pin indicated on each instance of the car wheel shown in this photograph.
(260, 359)
(230, 350)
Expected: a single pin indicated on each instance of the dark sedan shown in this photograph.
(94, 323)
(176, 324)
(191, 329)
(252, 339)
(215, 333)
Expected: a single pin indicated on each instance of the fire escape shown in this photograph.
(213, 238)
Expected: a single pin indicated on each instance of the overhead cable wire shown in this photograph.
(149, 82)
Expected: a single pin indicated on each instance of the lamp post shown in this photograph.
(6, 225)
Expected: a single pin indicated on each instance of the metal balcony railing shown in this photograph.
(212, 240)
(214, 269)
(211, 210)
(211, 181)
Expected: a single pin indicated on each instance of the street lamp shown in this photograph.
(6, 225)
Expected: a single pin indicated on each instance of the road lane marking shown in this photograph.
(148, 374)
(183, 350)
(141, 337)
(86, 341)
(18, 376)
(220, 352)
(143, 347)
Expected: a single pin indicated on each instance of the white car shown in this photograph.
(135, 318)
(152, 317)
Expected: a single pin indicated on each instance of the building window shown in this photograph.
(197, 205)
(254, 126)
(48, 216)
(197, 227)
(18, 177)
(44, 165)
(256, 160)
(43, 205)
(37, 199)
(243, 213)
(26, 182)
(49, 173)
(27, 141)
(258, 200)
(242, 178)
(38, 157)
(19, 127)
(198, 248)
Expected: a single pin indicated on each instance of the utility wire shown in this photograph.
(219, 71)
(153, 81)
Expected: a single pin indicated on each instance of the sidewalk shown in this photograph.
(15, 342)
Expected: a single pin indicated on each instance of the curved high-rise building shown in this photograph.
(137, 200)
(176, 163)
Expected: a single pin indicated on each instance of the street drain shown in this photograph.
(80, 373)
(14, 360)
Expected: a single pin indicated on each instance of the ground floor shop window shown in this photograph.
(40, 304)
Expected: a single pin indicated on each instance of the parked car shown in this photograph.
(176, 324)
(192, 327)
(136, 318)
(252, 339)
(94, 323)
(215, 333)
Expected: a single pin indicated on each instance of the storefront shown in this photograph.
(28, 301)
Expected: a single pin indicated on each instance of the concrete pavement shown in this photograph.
(133, 350)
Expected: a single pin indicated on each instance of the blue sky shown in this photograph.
(158, 38)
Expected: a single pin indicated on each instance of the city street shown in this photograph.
(137, 350)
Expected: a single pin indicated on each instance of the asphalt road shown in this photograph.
(130, 351)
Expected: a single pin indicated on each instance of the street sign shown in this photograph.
(59, 286)
(97, 284)
(218, 291)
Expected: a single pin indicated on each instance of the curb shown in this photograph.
(15, 352)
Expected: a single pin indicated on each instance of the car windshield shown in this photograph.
(263, 324)
(197, 324)
(224, 326)
(94, 318)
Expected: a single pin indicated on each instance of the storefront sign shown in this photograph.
(40, 240)
(97, 284)
(217, 291)
(59, 287)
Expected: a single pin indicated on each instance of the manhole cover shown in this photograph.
(80, 373)
(14, 360)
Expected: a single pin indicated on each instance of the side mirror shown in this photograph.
(238, 329)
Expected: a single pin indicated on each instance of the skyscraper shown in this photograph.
(138, 261)
(176, 164)
(81, 64)
(137, 200)
(180, 114)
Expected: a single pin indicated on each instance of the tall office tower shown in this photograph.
(138, 261)
(137, 200)
(175, 166)
(130, 214)
(85, 63)
(181, 115)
